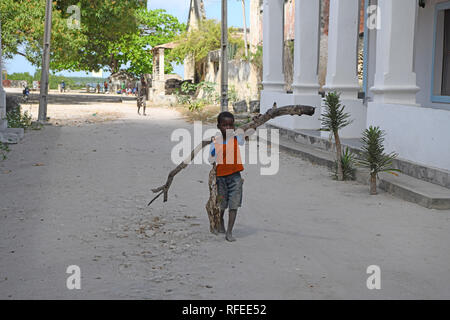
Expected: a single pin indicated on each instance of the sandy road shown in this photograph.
(77, 195)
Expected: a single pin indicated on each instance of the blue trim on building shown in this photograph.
(434, 98)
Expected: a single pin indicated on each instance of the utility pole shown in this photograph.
(42, 118)
(3, 123)
(245, 29)
(224, 56)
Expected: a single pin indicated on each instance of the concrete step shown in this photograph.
(423, 193)
(312, 138)
(405, 187)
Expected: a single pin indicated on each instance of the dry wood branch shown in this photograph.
(294, 110)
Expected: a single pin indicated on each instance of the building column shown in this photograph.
(161, 64)
(273, 44)
(306, 47)
(395, 79)
(255, 25)
(342, 75)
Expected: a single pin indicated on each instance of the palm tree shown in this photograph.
(333, 119)
(373, 156)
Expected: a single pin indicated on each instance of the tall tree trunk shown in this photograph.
(340, 173)
(373, 184)
(245, 29)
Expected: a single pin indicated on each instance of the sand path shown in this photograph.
(77, 195)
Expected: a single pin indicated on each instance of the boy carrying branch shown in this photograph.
(224, 151)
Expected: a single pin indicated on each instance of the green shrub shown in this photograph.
(182, 98)
(197, 105)
(333, 119)
(348, 166)
(232, 94)
(209, 89)
(186, 95)
(4, 149)
(18, 120)
(373, 156)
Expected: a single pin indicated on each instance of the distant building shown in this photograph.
(162, 84)
(121, 79)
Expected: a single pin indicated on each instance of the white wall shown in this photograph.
(418, 134)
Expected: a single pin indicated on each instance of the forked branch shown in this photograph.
(293, 110)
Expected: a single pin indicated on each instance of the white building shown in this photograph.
(406, 78)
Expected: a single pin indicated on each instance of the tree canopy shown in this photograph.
(155, 27)
(112, 33)
(199, 42)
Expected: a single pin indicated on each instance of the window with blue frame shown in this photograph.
(441, 60)
(445, 88)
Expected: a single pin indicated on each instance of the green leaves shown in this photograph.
(4, 149)
(348, 169)
(334, 117)
(372, 155)
(18, 120)
(156, 27)
(112, 33)
(198, 43)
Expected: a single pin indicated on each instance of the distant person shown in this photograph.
(26, 93)
(105, 85)
(63, 86)
(98, 87)
(142, 95)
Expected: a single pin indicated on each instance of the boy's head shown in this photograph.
(225, 121)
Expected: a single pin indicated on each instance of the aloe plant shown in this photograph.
(373, 156)
(333, 119)
(348, 169)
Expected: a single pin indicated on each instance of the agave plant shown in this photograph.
(333, 119)
(373, 156)
(348, 168)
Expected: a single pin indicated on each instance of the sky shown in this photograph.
(177, 8)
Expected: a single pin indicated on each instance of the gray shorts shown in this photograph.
(229, 189)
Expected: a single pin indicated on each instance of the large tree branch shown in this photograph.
(293, 110)
(21, 54)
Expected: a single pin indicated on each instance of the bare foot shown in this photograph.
(230, 238)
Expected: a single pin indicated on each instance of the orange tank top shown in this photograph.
(231, 162)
